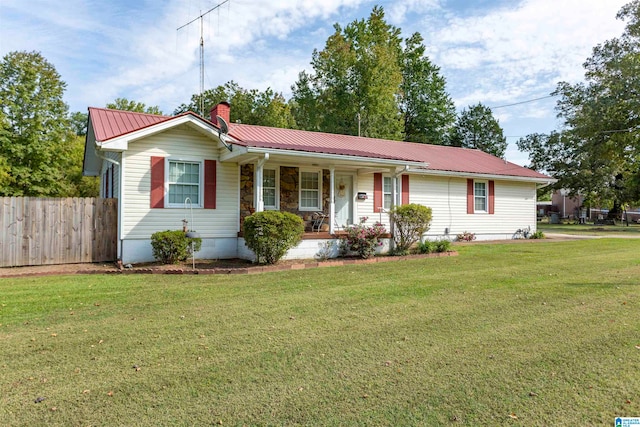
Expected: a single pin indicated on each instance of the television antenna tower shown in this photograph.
(202, 50)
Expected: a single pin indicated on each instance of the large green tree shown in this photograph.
(427, 109)
(78, 122)
(35, 135)
(364, 82)
(355, 84)
(598, 151)
(125, 104)
(477, 128)
(253, 107)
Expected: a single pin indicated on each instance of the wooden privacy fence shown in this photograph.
(39, 231)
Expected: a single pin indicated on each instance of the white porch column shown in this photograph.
(394, 197)
(257, 184)
(332, 200)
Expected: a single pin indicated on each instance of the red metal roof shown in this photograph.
(439, 157)
(109, 124)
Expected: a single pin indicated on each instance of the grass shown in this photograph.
(590, 229)
(542, 333)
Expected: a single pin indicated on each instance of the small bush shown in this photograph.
(172, 246)
(466, 237)
(410, 222)
(431, 246)
(537, 235)
(363, 239)
(325, 250)
(443, 245)
(270, 234)
(426, 247)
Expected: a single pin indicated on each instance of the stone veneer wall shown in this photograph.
(246, 191)
(289, 187)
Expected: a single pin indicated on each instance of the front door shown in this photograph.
(343, 192)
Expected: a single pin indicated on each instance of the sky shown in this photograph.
(497, 52)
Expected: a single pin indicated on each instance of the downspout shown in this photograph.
(115, 162)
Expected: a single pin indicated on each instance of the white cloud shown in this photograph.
(535, 44)
(398, 10)
(496, 55)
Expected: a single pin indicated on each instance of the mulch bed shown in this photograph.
(233, 266)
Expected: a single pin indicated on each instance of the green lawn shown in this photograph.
(590, 229)
(537, 333)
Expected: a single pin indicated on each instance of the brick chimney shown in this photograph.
(223, 110)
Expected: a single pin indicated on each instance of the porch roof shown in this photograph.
(438, 157)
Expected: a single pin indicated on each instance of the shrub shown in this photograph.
(363, 239)
(172, 246)
(429, 246)
(443, 245)
(410, 222)
(270, 234)
(537, 235)
(325, 250)
(426, 247)
(466, 237)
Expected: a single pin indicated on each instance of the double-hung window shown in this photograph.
(270, 188)
(310, 190)
(386, 192)
(480, 194)
(387, 195)
(184, 182)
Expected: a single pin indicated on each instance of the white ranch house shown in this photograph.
(152, 163)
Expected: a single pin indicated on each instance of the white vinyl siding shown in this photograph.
(310, 190)
(447, 197)
(139, 221)
(364, 208)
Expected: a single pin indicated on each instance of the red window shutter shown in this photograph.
(209, 184)
(470, 201)
(405, 189)
(377, 192)
(492, 197)
(157, 182)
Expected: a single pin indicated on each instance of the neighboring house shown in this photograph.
(566, 205)
(151, 164)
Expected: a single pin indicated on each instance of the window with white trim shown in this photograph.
(270, 188)
(310, 191)
(183, 180)
(387, 195)
(386, 192)
(480, 196)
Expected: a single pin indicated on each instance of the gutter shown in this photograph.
(342, 157)
(545, 184)
(115, 162)
(542, 181)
